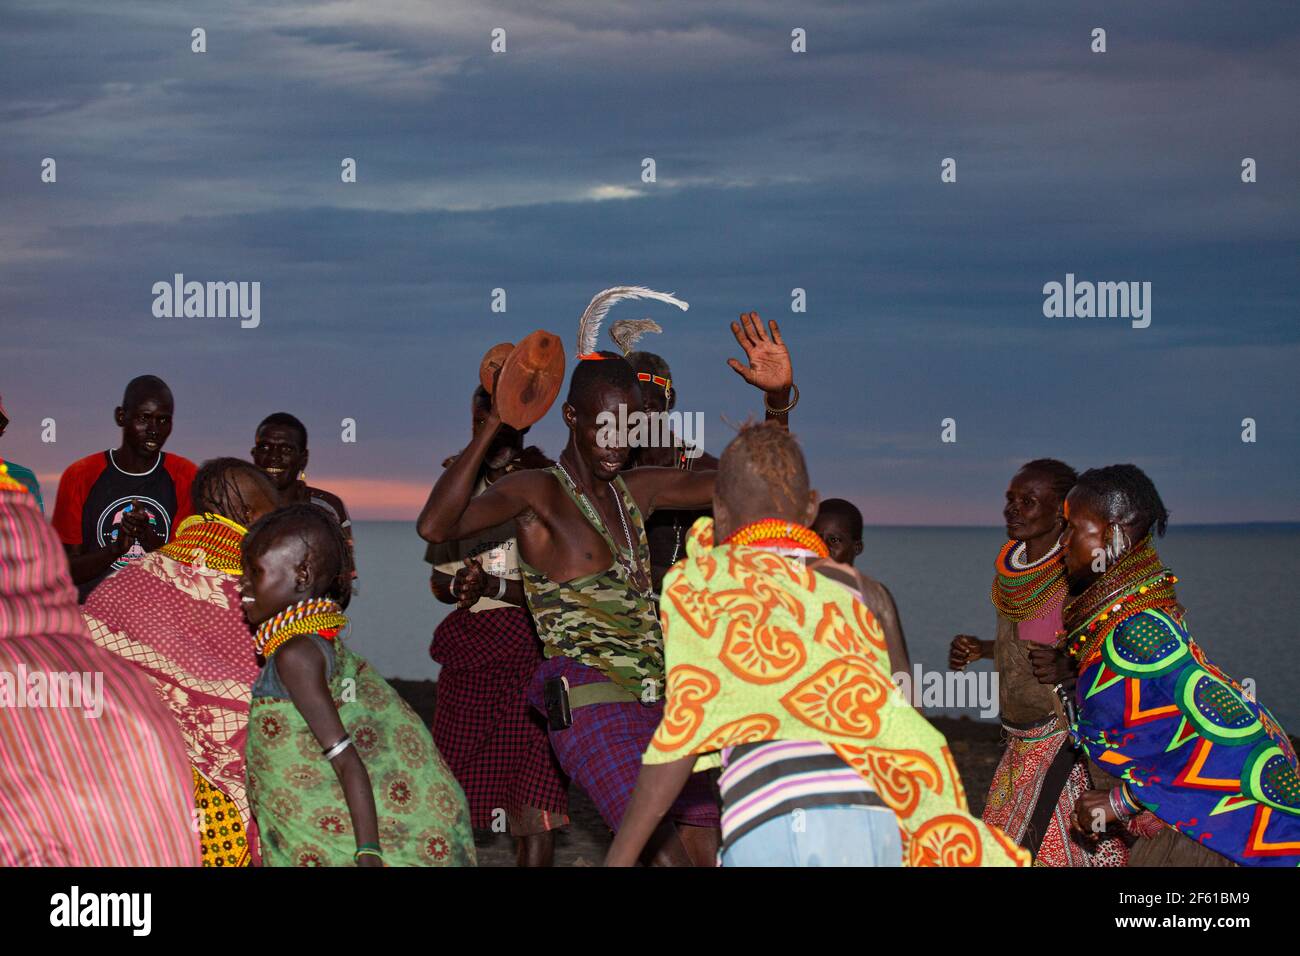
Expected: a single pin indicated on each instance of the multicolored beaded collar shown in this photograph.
(1137, 582)
(1020, 590)
(323, 616)
(211, 539)
(775, 532)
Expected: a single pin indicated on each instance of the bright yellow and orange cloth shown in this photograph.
(759, 647)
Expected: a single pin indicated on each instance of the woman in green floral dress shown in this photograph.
(340, 770)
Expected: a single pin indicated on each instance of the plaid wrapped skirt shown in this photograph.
(494, 742)
(602, 751)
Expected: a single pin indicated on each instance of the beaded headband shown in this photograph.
(664, 383)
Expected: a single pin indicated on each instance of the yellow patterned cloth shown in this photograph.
(759, 647)
(222, 839)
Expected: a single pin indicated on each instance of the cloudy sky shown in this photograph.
(775, 170)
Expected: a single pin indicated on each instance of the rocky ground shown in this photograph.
(976, 746)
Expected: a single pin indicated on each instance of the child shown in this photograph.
(839, 524)
(318, 708)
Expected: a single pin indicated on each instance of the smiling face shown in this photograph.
(276, 578)
(280, 453)
(584, 421)
(1032, 508)
(1083, 541)
(147, 424)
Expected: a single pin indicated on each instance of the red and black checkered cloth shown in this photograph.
(494, 742)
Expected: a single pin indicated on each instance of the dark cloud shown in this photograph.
(776, 170)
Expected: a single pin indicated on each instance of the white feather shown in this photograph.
(589, 324)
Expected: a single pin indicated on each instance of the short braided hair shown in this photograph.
(322, 537)
(1123, 494)
(215, 489)
(762, 471)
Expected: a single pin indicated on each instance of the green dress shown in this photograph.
(296, 797)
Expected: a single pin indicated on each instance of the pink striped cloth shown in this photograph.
(93, 771)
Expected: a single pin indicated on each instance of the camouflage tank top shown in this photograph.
(600, 619)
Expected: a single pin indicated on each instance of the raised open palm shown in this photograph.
(769, 359)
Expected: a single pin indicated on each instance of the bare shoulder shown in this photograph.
(536, 487)
(300, 660)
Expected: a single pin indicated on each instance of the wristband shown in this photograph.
(781, 411)
(1118, 805)
(501, 588)
(329, 753)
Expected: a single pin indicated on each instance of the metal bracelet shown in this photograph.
(329, 753)
(793, 402)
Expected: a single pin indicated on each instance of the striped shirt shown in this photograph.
(93, 771)
(763, 781)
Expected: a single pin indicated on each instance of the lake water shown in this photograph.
(1240, 585)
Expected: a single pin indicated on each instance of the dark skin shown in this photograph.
(1033, 515)
(278, 450)
(1085, 536)
(471, 583)
(146, 426)
(768, 370)
(553, 535)
(836, 531)
(282, 575)
(658, 785)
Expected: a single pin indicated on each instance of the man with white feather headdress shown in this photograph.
(585, 564)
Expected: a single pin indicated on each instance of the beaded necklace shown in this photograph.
(323, 616)
(777, 533)
(8, 482)
(685, 464)
(1022, 590)
(213, 536)
(1138, 582)
(636, 574)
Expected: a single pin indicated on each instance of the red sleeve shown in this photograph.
(182, 471)
(74, 484)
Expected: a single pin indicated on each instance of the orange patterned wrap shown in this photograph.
(759, 647)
